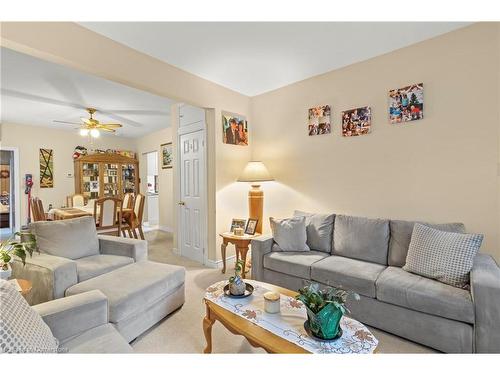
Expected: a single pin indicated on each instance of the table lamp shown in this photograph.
(255, 172)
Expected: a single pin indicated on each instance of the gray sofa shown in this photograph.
(73, 259)
(366, 256)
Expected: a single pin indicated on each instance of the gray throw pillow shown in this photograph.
(319, 230)
(290, 234)
(443, 256)
(22, 329)
(73, 238)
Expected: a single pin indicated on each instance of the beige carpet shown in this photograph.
(182, 331)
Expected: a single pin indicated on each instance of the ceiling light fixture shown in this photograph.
(84, 132)
(94, 133)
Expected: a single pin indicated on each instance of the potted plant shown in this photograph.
(12, 247)
(325, 308)
(236, 284)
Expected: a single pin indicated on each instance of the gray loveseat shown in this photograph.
(73, 259)
(366, 256)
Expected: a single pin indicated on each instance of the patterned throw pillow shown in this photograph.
(22, 330)
(443, 256)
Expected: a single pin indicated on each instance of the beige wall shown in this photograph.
(148, 143)
(442, 168)
(29, 139)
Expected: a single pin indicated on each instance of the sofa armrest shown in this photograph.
(50, 276)
(261, 246)
(73, 315)
(485, 289)
(127, 247)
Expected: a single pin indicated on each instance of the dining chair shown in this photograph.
(76, 200)
(128, 200)
(108, 215)
(134, 219)
(37, 210)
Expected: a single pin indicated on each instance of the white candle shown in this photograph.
(272, 302)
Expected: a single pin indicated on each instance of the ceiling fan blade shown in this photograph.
(107, 130)
(86, 120)
(66, 122)
(111, 125)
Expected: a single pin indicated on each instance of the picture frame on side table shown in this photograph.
(251, 226)
(238, 223)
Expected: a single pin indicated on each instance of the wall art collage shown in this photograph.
(405, 104)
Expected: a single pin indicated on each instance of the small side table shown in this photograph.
(25, 285)
(241, 244)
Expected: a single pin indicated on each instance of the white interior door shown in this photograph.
(192, 207)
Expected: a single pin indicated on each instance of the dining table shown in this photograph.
(66, 213)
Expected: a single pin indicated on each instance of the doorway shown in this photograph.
(9, 192)
(152, 209)
(192, 205)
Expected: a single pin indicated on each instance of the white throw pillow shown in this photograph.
(22, 328)
(444, 256)
(290, 234)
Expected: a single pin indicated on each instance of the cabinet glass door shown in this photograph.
(111, 175)
(90, 180)
(129, 177)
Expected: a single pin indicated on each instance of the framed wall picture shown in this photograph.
(46, 168)
(356, 121)
(406, 104)
(319, 120)
(238, 223)
(251, 226)
(166, 155)
(234, 129)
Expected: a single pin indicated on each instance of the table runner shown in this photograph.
(289, 323)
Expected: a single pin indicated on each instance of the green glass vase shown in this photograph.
(326, 323)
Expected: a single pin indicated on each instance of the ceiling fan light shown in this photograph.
(95, 133)
(84, 132)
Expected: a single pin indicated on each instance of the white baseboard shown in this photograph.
(218, 263)
(164, 228)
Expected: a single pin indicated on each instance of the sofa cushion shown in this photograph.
(96, 265)
(361, 238)
(290, 234)
(414, 292)
(73, 238)
(349, 274)
(445, 256)
(292, 262)
(401, 231)
(132, 288)
(102, 339)
(22, 329)
(319, 230)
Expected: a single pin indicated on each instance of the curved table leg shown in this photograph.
(208, 322)
(223, 253)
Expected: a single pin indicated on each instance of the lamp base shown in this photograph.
(256, 205)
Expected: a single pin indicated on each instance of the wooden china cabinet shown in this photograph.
(106, 175)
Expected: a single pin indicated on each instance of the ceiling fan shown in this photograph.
(91, 126)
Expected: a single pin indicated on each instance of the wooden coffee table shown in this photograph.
(257, 337)
(282, 332)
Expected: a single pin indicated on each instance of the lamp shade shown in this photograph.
(255, 171)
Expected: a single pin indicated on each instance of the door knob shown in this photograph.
(181, 203)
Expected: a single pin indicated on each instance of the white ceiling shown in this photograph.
(36, 92)
(252, 58)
